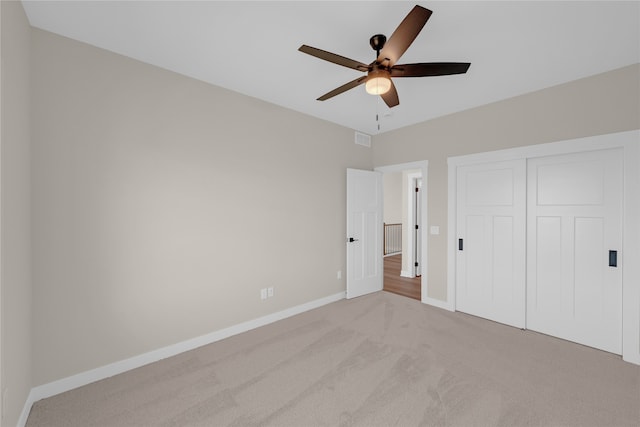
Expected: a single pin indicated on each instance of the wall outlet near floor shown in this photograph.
(339, 275)
(270, 292)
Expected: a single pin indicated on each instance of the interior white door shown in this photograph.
(491, 233)
(364, 232)
(574, 221)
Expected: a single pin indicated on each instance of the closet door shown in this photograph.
(491, 227)
(574, 228)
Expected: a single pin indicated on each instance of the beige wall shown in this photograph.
(163, 204)
(596, 105)
(15, 259)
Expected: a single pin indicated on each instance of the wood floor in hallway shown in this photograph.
(397, 284)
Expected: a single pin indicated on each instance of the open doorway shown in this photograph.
(404, 215)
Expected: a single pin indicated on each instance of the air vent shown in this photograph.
(363, 139)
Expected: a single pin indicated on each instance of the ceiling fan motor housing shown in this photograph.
(379, 72)
(377, 42)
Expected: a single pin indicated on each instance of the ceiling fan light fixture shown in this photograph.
(379, 82)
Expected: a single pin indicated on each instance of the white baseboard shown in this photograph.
(404, 273)
(87, 377)
(22, 421)
(438, 303)
(632, 358)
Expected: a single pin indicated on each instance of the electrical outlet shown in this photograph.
(270, 292)
(263, 293)
(339, 275)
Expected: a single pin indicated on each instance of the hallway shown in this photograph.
(396, 284)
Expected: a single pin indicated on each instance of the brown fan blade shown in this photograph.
(345, 87)
(332, 57)
(391, 96)
(404, 35)
(429, 69)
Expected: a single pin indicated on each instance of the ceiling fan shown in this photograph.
(379, 73)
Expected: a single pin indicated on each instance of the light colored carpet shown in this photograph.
(377, 360)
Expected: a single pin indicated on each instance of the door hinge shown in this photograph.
(416, 264)
(417, 226)
(417, 189)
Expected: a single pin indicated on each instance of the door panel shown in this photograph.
(589, 237)
(570, 183)
(490, 269)
(502, 256)
(474, 258)
(364, 226)
(549, 265)
(574, 218)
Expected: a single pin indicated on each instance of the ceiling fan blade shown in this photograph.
(429, 69)
(404, 35)
(345, 87)
(391, 96)
(332, 57)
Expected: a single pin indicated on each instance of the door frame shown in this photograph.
(629, 141)
(408, 235)
(416, 205)
(423, 165)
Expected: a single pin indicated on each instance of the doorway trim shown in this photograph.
(423, 165)
(409, 242)
(629, 141)
(416, 202)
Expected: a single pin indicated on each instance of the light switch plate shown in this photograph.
(434, 229)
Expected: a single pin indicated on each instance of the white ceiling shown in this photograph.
(251, 47)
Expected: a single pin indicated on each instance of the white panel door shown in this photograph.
(491, 233)
(574, 221)
(364, 232)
